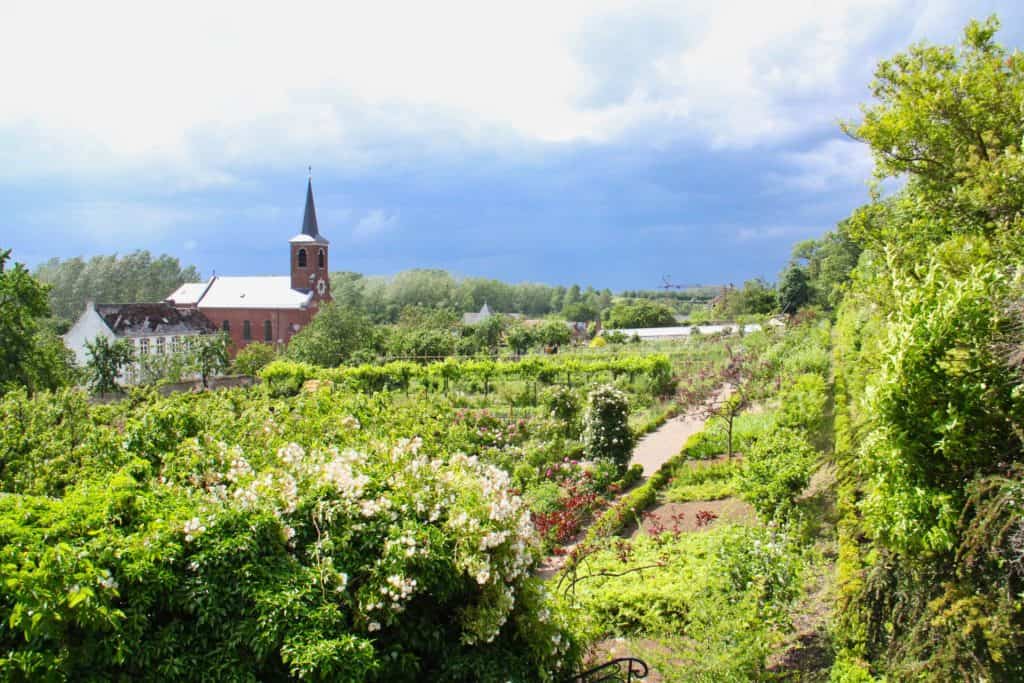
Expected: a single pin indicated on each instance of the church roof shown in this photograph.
(272, 291)
(140, 320)
(189, 293)
(310, 229)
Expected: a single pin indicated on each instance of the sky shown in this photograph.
(603, 143)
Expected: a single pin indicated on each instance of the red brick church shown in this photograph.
(269, 309)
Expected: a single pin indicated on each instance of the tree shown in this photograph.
(757, 297)
(580, 311)
(553, 333)
(253, 357)
(209, 356)
(519, 338)
(134, 277)
(794, 291)
(30, 354)
(333, 336)
(106, 361)
(639, 313)
(948, 120)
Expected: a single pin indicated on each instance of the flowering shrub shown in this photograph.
(242, 555)
(606, 432)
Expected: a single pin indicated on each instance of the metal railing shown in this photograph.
(621, 670)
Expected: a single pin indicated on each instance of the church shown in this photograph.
(269, 309)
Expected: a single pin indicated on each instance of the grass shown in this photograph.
(711, 481)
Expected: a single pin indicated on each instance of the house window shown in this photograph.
(143, 347)
(176, 344)
(246, 330)
(320, 259)
(302, 258)
(226, 326)
(161, 345)
(268, 331)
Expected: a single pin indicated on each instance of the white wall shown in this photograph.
(88, 326)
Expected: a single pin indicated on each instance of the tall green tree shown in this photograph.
(112, 279)
(30, 354)
(794, 290)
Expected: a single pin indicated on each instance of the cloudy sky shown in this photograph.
(592, 142)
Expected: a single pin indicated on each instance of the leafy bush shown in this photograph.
(285, 378)
(716, 599)
(296, 563)
(776, 469)
(803, 403)
(251, 359)
(606, 433)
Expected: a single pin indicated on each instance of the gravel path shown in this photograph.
(654, 449)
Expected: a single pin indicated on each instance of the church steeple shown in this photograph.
(309, 226)
(309, 265)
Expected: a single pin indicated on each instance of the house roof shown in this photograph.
(310, 229)
(189, 293)
(474, 318)
(272, 291)
(140, 320)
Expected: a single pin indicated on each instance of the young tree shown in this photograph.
(209, 356)
(553, 333)
(106, 361)
(519, 338)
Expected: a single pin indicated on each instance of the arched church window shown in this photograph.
(320, 259)
(302, 258)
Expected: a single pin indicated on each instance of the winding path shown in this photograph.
(651, 451)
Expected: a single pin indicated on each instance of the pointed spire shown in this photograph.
(309, 226)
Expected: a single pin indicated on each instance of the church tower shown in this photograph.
(309, 266)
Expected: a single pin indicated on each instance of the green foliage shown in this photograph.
(250, 360)
(756, 297)
(639, 313)
(333, 336)
(776, 470)
(794, 290)
(606, 433)
(192, 533)
(208, 355)
(30, 355)
(829, 262)
(552, 333)
(714, 600)
(520, 338)
(134, 277)
(563, 404)
(698, 481)
(106, 361)
(713, 440)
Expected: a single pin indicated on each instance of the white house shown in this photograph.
(151, 328)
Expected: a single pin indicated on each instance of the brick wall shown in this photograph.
(282, 324)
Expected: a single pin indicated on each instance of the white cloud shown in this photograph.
(758, 233)
(195, 88)
(374, 223)
(834, 163)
